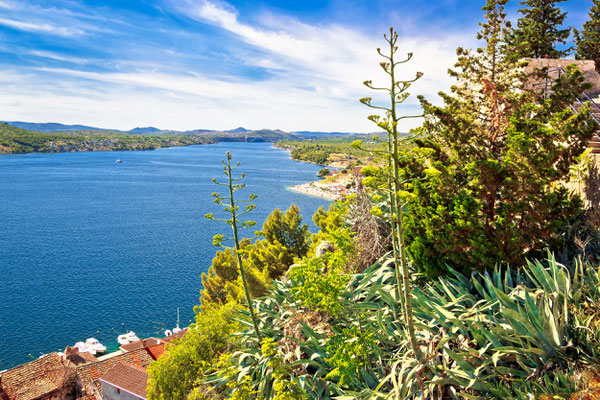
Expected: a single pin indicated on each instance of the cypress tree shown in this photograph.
(539, 31)
(588, 40)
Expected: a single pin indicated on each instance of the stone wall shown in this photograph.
(587, 67)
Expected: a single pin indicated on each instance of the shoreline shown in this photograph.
(311, 189)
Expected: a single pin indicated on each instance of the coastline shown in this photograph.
(312, 189)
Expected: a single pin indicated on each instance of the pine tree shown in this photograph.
(539, 31)
(588, 40)
(485, 177)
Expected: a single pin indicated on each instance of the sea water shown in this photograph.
(91, 247)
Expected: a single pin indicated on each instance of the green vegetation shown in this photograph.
(321, 151)
(489, 183)
(15, 140)
(323, 172)
(588, 39)
(539, 31)
(232, 207)
(424, 284)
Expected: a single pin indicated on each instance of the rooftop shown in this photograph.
(130, 378)
(34, 379)
(92, 372)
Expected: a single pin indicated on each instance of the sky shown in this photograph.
(212, 64)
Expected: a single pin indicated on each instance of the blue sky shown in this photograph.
(186, 64)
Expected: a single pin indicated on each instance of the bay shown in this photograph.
(92, 247)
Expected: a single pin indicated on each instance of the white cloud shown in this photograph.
(312, 81)
(58, 57)
(7, 5)
(333, 59)
(41, 27)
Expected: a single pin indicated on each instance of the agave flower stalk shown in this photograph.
(389, 123)
(231, 206)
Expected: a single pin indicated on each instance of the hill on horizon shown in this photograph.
(55, 127)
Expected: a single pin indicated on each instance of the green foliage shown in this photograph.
(320, 281)
(231, 206)
(287, 229)
(398, 91)
(351, 351)
(323, 172)
(15, 140)
(486, 176)
(539, 31)
(319, 151)
(588, 39)
(265, 259)
(179, 371)
(284, 388)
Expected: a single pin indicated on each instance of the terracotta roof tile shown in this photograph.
(92, 372)
(34, 379)
(156, 351)
(130, 378)
(140, 344)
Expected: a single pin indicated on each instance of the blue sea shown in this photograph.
(94, 248)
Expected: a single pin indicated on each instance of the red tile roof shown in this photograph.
(156, 351)
(140, 344)
(34, 379)
(91, 372)
(130, 378)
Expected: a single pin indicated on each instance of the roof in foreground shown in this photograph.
(92, 372)
(33, 379)
(130, 378)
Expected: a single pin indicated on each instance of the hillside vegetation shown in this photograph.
(462, 269)
(17, 141)
(323, 151)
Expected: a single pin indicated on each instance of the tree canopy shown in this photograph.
(539, 32)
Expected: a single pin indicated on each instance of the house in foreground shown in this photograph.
(124, 382)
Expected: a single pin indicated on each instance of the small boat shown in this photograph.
(96, 345)
(131, 336)
(84, 348)
(127, 338)
(175, 330)
(118, 161)
(122, 339)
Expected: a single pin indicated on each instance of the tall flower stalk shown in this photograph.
(231, 206)
(398, 93)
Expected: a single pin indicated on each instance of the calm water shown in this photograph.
(87, 244)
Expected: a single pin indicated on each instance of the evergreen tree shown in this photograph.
(588, 40)
(267, 259)
(287, 229)
(485, 177)
(539, 31)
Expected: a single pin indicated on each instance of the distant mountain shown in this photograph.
(51, 127)
(238, 130)
(147, 129)
(237, 134)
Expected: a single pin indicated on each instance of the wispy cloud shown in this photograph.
(58, 57)
(41, 27)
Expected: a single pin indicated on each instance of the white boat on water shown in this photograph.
(84, 348)
(95, 344)
(127, 338)
(175, 330)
